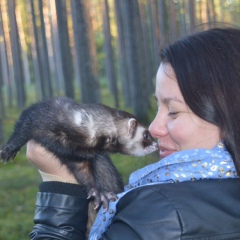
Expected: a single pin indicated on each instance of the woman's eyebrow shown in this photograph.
(168, 99)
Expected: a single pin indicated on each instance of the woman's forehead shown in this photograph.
(166, 69)
(166, 85)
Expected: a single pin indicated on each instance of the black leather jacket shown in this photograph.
(203, 210)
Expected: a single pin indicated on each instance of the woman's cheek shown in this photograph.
(178, 132)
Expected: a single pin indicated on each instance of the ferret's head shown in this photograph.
(134, 139)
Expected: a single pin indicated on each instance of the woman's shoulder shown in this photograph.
(226, 188)
(185, 189)
(186, 209)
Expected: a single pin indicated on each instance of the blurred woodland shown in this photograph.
(90, 50)
(77, 47)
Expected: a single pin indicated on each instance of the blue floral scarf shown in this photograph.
(188, 165)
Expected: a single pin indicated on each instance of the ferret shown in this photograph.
(81, 136)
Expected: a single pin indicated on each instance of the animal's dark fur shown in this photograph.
(81, 136)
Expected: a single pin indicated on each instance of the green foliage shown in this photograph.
(18, 187)
(128, 164)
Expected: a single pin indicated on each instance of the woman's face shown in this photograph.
(175, 126)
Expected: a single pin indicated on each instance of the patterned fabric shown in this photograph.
(188, 165)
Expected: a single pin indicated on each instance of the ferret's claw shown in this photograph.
(105, 200)
(111, 196)
(91, 193)
(101, 198)
(6, 154)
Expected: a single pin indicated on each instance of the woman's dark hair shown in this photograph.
(207, 68)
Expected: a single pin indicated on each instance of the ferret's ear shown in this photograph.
(132, 124)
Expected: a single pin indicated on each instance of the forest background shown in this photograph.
(92, 51)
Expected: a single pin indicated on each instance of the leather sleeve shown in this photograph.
(61, 212)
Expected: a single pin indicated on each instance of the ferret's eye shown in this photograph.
(146, 135)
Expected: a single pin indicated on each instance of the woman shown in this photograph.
(194, 191)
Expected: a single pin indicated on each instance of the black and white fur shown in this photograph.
(81, 136)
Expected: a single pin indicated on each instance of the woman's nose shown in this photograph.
(158, 127)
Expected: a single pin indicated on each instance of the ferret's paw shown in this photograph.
(101, 199)
(6, 154)
(111, 196)
(96, 196)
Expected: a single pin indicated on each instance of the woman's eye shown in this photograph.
(172, 114)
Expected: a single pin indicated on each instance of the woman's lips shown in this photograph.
(165, 152)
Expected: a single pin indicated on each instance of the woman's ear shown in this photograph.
(132, 125)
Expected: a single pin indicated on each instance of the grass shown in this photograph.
(19, 182)
(18, 187)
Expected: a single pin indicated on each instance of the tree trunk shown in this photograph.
(136, 60)
(2, 110)
(34, 53)
(8, 54)
(155, 34)
(48, 91)
(208, 12)
(58, 71)
(173, 25)
(191, 12)
(222, 15)
(66, 57)
(182, 21)
(150, 43)
(23, 46)
(16, 54)
(122, 55)
(163, 19)
(83, 38)
(3, 67)
(211, 7)
(41, 50)
(109, 57)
